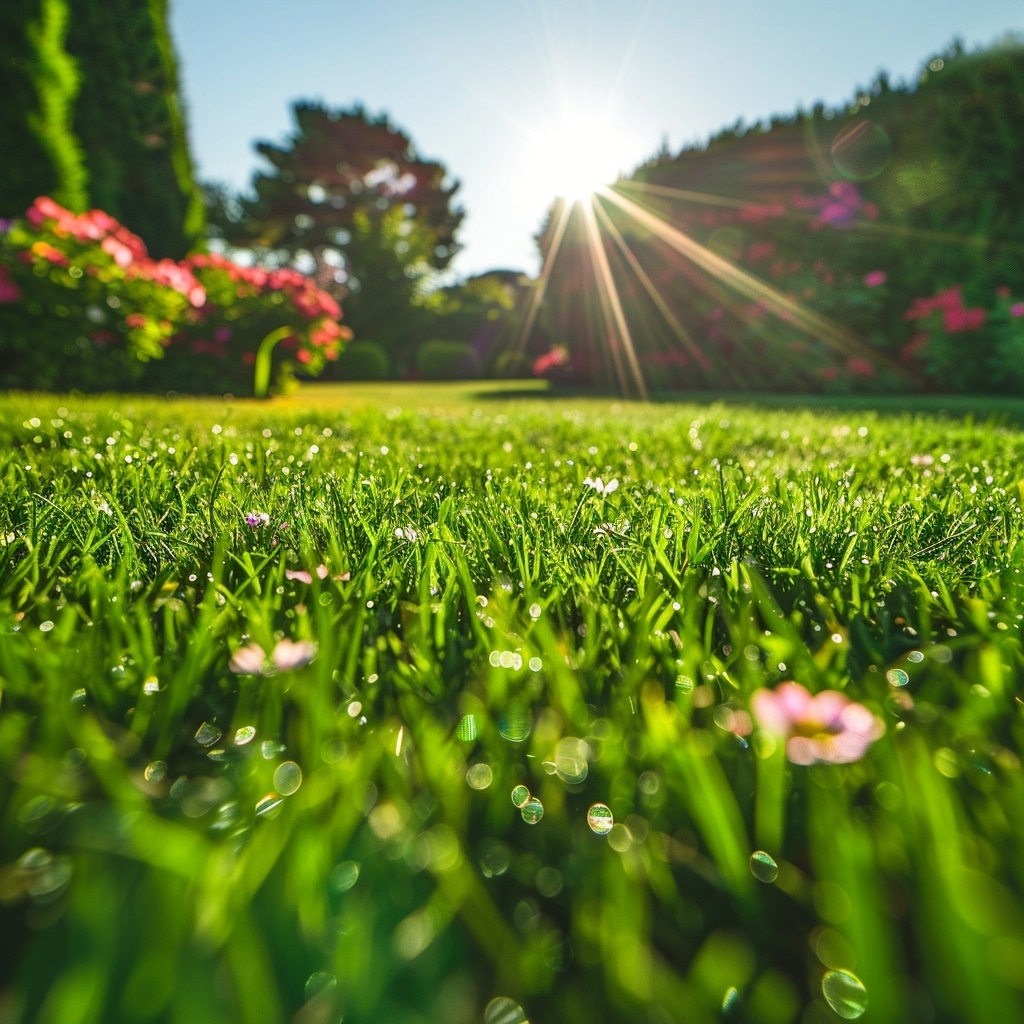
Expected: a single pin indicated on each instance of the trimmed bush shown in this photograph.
(363, 360)
(446, 360)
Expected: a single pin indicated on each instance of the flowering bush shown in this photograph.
(82, 305)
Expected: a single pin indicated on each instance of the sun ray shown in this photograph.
(686, 195)
(537, 294)
(611, 304)
(671, 319)
(753, 288)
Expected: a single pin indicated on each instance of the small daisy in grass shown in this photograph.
(826, 728)
(251, 660)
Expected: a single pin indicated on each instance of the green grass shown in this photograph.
(483, 611)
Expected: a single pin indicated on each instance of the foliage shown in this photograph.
(802, 246)
(192, 832)
(440, 359)
(129, 120)
(364, 360)
(83, 305)
(92, 110)
(350, 201)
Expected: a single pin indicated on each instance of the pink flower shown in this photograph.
(248, 660)
(827, 728)
(957, 320)
(875, 278)
(860, 367)
(293, 654)
(251, 659)
(307, 577)
(1017, 309)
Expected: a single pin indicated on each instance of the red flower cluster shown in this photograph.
(955, 318)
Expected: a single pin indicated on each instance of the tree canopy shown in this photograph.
(348, 199)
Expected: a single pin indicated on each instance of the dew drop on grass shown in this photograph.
(504, 1011)
(515, 722)
(549, 767)
(763, 867)
(343, 876)
(520, 796)
(319, 983)
(897, 677)
(571, 760)
(845, 993)
(207, 734)
(532, 811)
(269, 806)
(287, 778)
(479, 776)
(244, 735)
(731, 1003)
(915, 657)
(536, 664)
(466, 729)
(78, 698)
(151, 686)
(270, 749)
(600, 819)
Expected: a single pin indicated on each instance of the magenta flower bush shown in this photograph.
(83, 305)
(826, 728)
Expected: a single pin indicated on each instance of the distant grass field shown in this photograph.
(507, 765)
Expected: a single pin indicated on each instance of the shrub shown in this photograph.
(82, 305)
(365, 360)
(446, 360)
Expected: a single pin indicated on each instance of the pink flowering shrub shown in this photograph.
(83, 305)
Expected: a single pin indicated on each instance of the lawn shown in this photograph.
(420, 704)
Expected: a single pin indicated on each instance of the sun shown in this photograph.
(577, 153)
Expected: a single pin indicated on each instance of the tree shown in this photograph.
(349, 200)
(92, 112)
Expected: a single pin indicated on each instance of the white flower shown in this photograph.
(600, 486)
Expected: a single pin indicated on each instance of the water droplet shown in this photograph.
(845, 993)
(480, 776)
(520, 796)
(897, 677)
(515, 723)
(549, 767)
(269, 806)
(466, 729)
(78, 698)
(535, 611)
(600, 819)
(151, 686)
(244, 735)
(532, 811)
(504, 1011)
(207, 734)
(343, 876)
(45, 627)
(287, 778)
(731, 1003)
(571, 760)
(915, 657)
(319, 983)
(270, 749)
(155, 771)
(536, 664)
(763, 866)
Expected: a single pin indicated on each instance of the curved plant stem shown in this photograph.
(261, 371)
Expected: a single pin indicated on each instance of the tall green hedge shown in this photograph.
(95, 116)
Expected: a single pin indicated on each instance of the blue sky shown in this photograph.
(479, 85)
